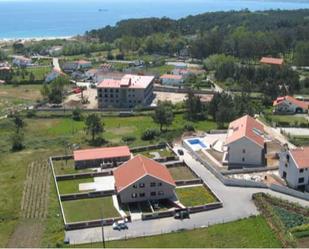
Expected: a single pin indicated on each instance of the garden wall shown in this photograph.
(289, 191)
(83, 175)
(78, 196)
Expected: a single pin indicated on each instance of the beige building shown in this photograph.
(294, 168)
(143, 179)
(127, 92)
(244, 145)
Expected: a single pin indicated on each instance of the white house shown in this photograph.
(143, 179)
(289, 104)
(21, 61)
(244, 145)
(54, 74)
(294, 167)
(171, 79)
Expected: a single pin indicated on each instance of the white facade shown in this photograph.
(295, 177)
(147, 188)
(245, 152)
(288, 107)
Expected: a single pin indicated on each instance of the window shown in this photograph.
(142, 185)
(243, 151)
(301, 180)
(134, 186)
(284, 174)
(153, 193)
(301, 170)
(288, 158)
(141, 194)
(161, 193)
(286, 165)
(152, 184)
(243, 159)
(134, 195)
(160, 184)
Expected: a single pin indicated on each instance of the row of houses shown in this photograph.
(136, 178)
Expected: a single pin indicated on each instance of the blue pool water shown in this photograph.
(197, 141)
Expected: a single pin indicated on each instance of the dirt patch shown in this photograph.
(303, 242)
(27, 234)
(122, 130)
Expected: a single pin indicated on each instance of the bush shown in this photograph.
(150, 134)
(30, 113)
(188, 127)
(77, 114)
(128, 139)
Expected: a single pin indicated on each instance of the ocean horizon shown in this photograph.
(28, 19)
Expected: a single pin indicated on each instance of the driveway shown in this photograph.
(295, 131)
(237, 204)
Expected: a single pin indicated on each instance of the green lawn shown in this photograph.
(163, 153)
(23, 75)
(181, 173)
(286, 119)
(252, 232)
(72, 186)
(62, 167)
(195, 196)
(89, 209)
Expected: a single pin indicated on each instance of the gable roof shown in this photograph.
(299, 103)
(171, 76)
(101, 153)
(271, 61)
(301, 157)
(138, 167)
(248, 127)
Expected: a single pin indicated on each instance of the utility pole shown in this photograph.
(103, 237)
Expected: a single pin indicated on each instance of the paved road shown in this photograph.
(56, 64)
(237, 204)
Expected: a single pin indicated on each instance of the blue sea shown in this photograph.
(60, 18)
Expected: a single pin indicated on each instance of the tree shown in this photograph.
(55, 91)
(302, 54)
(194, 107)
(77, 114)
(163, 114)
(94, 126)
(18, 136)
(19, 123)
(225, 112)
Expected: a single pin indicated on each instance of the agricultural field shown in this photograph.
(89, 209)
(195, 196)
(252, 232)
(72, 186)
(181, 173)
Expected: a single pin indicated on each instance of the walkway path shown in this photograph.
(237, 203)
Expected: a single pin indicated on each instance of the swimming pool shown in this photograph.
(195, 144)
(197, 141)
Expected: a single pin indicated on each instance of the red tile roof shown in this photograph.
(299, 103)
(248, 127)
(128, 81)
(271, 61)
(301, 157)
(101, 153)
(138, 167)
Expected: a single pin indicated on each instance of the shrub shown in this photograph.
(128, 139)
(30, 113)
(150, 134)
(188, 127)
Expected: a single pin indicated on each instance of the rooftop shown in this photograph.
(128, 81)
(271, 61)
(302, 104)
(101, 153)
(171, 76)
(248, 127)
(301, 157)
(138, 167)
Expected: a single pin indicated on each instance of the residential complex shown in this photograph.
(289, 104)
(143, 179)
(244, 144)
(294, 167)
(21, 61)
(127, 92)
(89, 158)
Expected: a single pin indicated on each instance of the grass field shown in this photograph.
(195, 196)
(12, 96)
(71, 186)
(252, 232)
(181, 173)
(292, 120)
(162, 152)
(38, 72)
(89, 209)
(62, 167)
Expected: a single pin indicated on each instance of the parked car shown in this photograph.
(180, 152)
(120, 225)
(182, 214)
